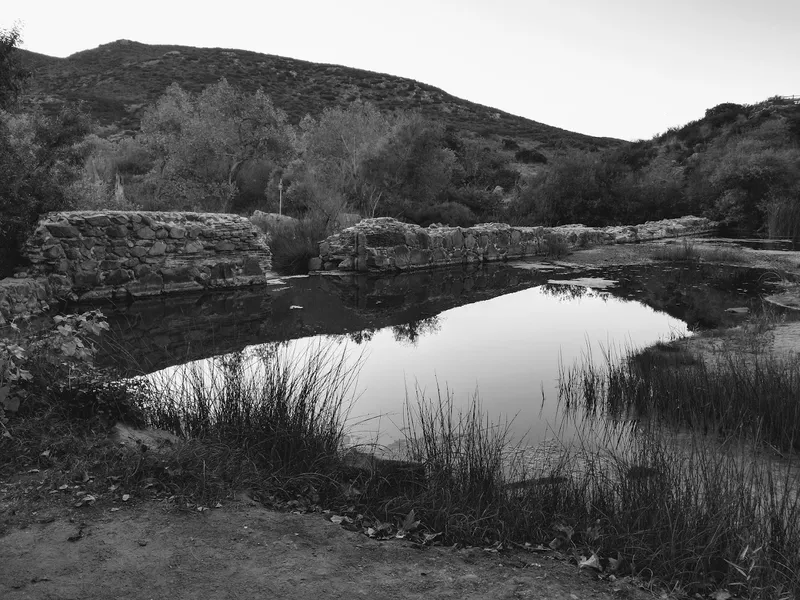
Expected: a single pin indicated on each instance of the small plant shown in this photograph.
(556, 246)
(49, 361)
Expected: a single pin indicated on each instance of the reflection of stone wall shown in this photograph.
(116, 254)
(385, 244)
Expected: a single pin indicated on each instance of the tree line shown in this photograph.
(227, 150)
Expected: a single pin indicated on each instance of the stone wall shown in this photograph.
(385, 244)
(22, 297)
(87, 255)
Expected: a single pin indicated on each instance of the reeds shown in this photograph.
(285, 409)
(689, 251)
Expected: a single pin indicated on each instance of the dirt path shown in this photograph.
(245, 551)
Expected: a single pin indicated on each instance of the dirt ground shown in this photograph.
(243, 550)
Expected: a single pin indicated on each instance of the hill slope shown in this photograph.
(117, 80)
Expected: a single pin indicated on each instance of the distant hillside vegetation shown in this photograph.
(739, 164)
(117, 81)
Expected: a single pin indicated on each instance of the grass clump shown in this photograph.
(754, 392)
(689, 251)
(285, 410)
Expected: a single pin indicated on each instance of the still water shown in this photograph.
(502, 331)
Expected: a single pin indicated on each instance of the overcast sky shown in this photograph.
(621, 68)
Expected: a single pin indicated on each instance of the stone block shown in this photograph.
(145, 233)
(54, 251)
(420, 257)
(116, 231)
(224, 246)
(315, 264)
(62, 230)
(118, 277)
(86, 279)
(177, 233)
(162, 234)
(98, 220)
(158, 249)
(222, 271)
(252, 267)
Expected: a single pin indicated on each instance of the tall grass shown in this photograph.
(689, 251)
(685, 509)
(783, 218)
(752, 392)
(286, 410)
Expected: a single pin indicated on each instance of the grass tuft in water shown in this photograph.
(287, 411)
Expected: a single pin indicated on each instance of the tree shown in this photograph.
(12, 75)
(40, 157)
(202, 142)
(336, 149)
(411, 164)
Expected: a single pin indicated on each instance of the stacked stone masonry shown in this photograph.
(22, 297)
(385, 244)
(89, 255)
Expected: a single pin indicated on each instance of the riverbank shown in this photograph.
(648, 514)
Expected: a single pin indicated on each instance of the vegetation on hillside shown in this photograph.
(738, 164)
(211, 139)
(117, 81)
(40, 157)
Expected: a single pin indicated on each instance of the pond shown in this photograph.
(500, 331)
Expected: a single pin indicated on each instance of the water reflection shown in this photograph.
(499, 330)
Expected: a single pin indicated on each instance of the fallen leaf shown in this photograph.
(593, 562)
(721, 595)
(126, 497)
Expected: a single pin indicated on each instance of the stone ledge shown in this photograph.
(385, 244)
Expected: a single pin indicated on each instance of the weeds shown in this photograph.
(689, 251)
(286, 411)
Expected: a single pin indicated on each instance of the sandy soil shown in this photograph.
(245, 551)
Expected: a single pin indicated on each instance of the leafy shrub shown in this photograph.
(446, 213)
(530, 156)
(294, 244)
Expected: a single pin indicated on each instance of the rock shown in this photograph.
(151, 440)
(158, 249)
(62, 230)
(145, 233)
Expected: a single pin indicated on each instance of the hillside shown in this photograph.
(738, 164)
(117, 81)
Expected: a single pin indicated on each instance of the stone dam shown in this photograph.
(385, 244)
(90, 255)
(114, 254)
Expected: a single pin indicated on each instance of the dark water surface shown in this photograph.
(500, 331)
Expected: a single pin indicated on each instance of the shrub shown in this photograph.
(530, 156)
(446, 213)
(294, 244)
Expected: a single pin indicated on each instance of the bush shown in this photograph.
(530, 156)
(294, 244)
(446, 213)
(40, 157)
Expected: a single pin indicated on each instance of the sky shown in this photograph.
(628, 69)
